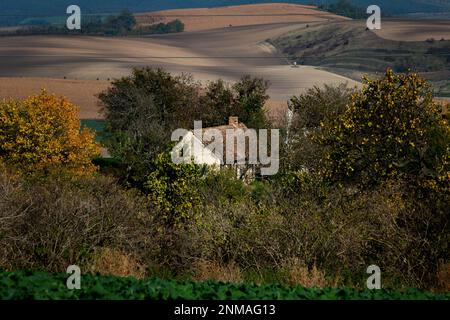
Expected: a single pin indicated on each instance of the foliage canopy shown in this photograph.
(392, 128)
(42, 133)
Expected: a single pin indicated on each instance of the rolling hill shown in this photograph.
(244, 15)
(349, 49)
(208, 54)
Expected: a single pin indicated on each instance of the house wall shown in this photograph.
(192, 148)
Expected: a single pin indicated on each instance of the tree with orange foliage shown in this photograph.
(42, 134)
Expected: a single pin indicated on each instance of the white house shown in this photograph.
(201, 147)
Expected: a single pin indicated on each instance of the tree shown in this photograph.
(309, 110)
(391, 128)
(175, 26)
(42, 134)
(251, 97)
(122, 23)
(217, 104)
(245, 99)
(169, 27)
(141, 111)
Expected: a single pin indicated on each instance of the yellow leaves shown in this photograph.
(42, 132)
(392, 121)
(365, 141)
(348, 124)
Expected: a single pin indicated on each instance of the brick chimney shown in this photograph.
(233, 121)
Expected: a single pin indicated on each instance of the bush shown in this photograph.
(49, 225)
(170, 189)
(336, 231)
(222, 187)
(385, 151)
(41, 134)
(303, 226)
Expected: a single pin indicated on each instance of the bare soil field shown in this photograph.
(244, 15)
(210, 50)
(286, 81)
(414, 30)
(80, 92)
(226, 53)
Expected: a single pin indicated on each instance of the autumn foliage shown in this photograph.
(365, 180)
(392, 128)
(42, 134)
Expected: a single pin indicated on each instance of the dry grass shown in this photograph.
(115, 262)
(211, 270)
(243, 15)
(444, 277)
(299, 274)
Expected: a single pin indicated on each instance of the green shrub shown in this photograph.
(222, 187)
(171, 189)
(169, 27)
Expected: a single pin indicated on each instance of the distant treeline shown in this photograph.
(169, 27)
(122, 24)
(19, 12)
(14, 13)
(344, 8)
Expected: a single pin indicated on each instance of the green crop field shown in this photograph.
(43, 286)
